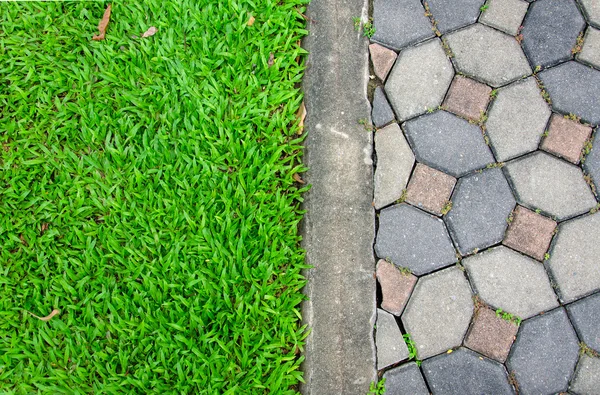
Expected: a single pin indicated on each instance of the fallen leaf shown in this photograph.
(48, 317)
(300, 115)
(250, 21)
(297, 178)
(103, 24)
(150, 32)
(271, 59)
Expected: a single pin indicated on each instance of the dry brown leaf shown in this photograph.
(48, 317)
(44, 227)
(250, 21)
(271, 59)
(150, 32)
(103, 24)
(22, 238)
(297, 178)
(300, 115)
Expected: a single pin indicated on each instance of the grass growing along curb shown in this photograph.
(146, 192)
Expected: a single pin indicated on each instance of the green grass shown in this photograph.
(146, 192)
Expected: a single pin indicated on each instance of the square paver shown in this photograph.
(566, 138)
(506, 15)
(396, 286)
(429, 189)
(590, 52)
(491, 335)
(467, 98)
(383, 59)
(529, 233)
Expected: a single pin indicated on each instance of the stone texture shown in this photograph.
(488, 55)
(467, 98)
(587, 376)
(419, 79)
(382, 113)
(591, 165)
(383, 59)
(566, 138)
(448, 143)
(550, 184)
(545, 353)
(491, 335)
(584, 315)
(480, 206)
(405, 380)
(590, 52)
(438, 313)
(592, 11)
(451, 15)
(573, 88)
(505, 15)
(465, 372)
(510, 281)
(517, 119)
(529, 233)
(411, 238)
(394, 164)
(399, 23)
(395, 287)
(429, 189)
(391, 347)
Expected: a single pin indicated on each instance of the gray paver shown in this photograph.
(451, 15)
(438, 313)
(391, 347)
(488, 55)
(590, 51)
(448, 143)
(480, 206)
(510, 281)
(592, 163)
(584, 316)
(413, 239)
(517, 119)
(587, 376)
(592, 11)
(505, 15)
(573, 88)
(550, 31)
(465, 372)
(399, 23)
(394, 164)
(405, 380)
(382, 113)
(545, 353)
(550, 184)
(419, 79)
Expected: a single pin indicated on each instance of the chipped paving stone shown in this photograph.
(382, 113)
(405, 380)
(590, 52)
(584, 316)
(400, 23)
(467, 98)
(505, 15)
(566, 138)
(396, 287)
(391, 347)
(383, 59)
(529, 233)
(491, 335)
(429, 189)
(451, 15)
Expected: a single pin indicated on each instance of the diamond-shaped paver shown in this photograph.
(439, 311)
(383, 59)
(584, 316)
(491, 335)
(529, 233)
(394, 164)
(400, 23)
(465, 372)
(382, 113)
(590, 52)
(448, 143)
(510, 281)
(488, 55)
(405, 380)
(592, 163)
(467, 98)
(517, 119)
(396, 286)
(413, 239)
(451, 15)
(391, 347)
(505, 15)
(566, 138)
(429, 189)
(591, 9)
(587, 376)
(419, 79)
(550, 184)
(573, 88)
(545, 353)
(550, 31)
(481, 205)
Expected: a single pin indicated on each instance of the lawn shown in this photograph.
(148, 193)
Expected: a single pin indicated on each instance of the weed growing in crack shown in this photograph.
(508, 317)
(377, 388)
(412, 349)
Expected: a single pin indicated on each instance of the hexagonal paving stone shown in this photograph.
(587, 376)
(590, 53)
(405, 380)
(429, 189)
(391, 347)
(554, 186)
(465, 372)
(491, 335)
(400, 23)
(439, 311)
(448, 143)
(396, 286)
(419, 79)
(467, 98)
(480, 206)
(510, 281)
(573, 88)
(529, 233)
(382, 113)
(413, 239)
(591, 165)
(505, 15)
(517, 119)
(451, 15)
(584, 316)
(550, 31)
(566, 138)
(544, 356)
(591, 9)
(488, 55)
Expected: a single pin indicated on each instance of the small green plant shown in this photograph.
(538, 211)
(377, 388)
(430, 110)
(369, 28)
(366, 124)
(402, 197)
(404, 270)
(508, 317)
(412, 348)
(585, 349)
(494, 93)
(447, 207)
(356, 20)
(546, 256)
(573, 117)
(578, 44)
(484, 7)
(537, 69)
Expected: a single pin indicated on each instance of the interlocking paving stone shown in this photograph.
(467, 98)
(480, 206)
(394, 164)
(405, 380)
(517, 119)
(382, 113)
(510, 281)
(399, 23)
(550, 30)
(566, 138)
(529, 233)
(491, 335)
(383, 59)
(590, 52)
(448, 143)
(505, 15)
(429, 189)
(584, 316)
(488, 55)
(451, 15)
(395, 287)
(545, 353)
(592, 11)
(419, 79)
(587, 376)
(465, 372)
(550, 184)
(391, 347)
(591, 165)
(573, 88)
(413, 239)
(439, 311)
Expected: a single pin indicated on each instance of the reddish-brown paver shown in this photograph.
(429, 189)
(383, 59)
(566, 138)
(529, 233)
(396, 286)
(491, 335)
(467, 98)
